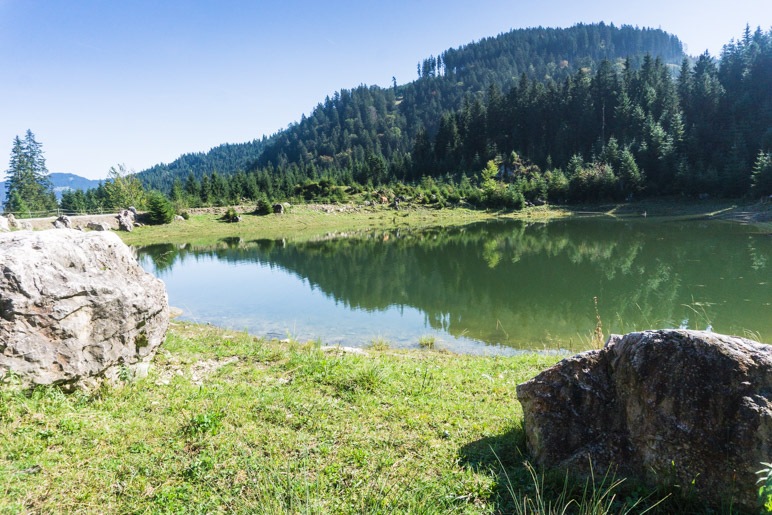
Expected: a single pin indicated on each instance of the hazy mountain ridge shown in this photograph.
(61, 182)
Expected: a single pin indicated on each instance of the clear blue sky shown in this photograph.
(139, 82)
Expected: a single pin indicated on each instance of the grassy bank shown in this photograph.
(226, 422)
(303, 222)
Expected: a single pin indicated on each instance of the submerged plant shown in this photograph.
(426, 341)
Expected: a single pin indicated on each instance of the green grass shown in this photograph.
(226, 422)
(303, 222)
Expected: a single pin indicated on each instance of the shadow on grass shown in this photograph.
(504, 456)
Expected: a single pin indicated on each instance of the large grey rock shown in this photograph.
(62, 222)
(18, 224)
(74, 305)
(662, 406)
(4, 225)
(126, 220)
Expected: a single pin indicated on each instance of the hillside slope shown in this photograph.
(374, 127)
(588, 113)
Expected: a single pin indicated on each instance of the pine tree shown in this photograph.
(762, 174)
(28, 188)
(159, 210)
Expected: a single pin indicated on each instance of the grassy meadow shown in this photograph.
(307, 221)
(226, 422)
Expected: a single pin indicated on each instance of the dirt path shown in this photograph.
(82, 221)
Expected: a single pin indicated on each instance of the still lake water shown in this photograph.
(493, 287)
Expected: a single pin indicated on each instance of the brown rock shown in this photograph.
(660, 406)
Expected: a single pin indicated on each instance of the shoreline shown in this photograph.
(305, 221)
(224, 421)
(300, 219)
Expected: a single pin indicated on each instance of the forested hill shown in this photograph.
(387, 119)
(227, 158)
(546, 54)
(585, 113)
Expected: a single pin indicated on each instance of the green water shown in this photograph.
(481, 288)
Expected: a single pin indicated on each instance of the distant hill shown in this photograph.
(227, 159)
(62, 182)
(68, 181)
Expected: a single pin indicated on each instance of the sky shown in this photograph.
(140, 82)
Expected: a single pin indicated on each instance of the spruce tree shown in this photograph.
(762, 174)
(28, 189)
(159, 210)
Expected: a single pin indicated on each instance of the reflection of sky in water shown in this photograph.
(269, 301)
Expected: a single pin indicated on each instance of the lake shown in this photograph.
(492, 288)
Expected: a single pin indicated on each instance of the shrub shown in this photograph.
(504, 197)
(263, 206)
(474, 197)
(231, 215)
(532, 188)
(557, 186)
(159, 208)
(593, 182)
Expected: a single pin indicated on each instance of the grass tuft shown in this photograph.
(426, 342)
(207, 422)
(379, 344)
